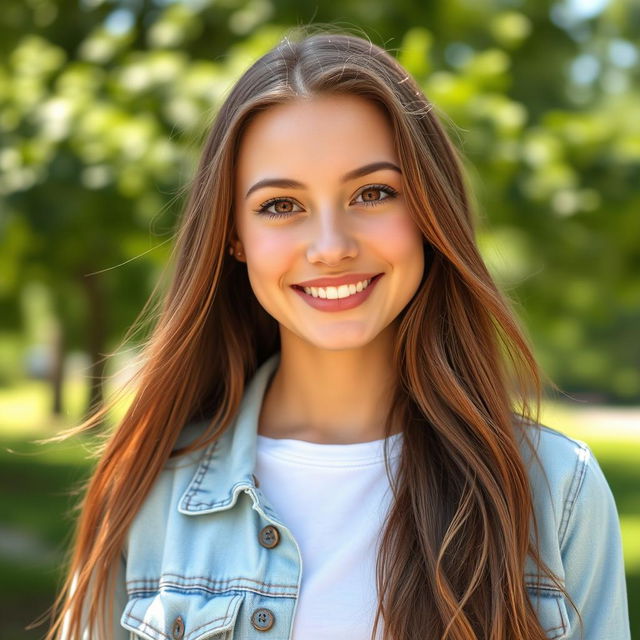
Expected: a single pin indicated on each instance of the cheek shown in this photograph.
(270, 256)
(402, 240)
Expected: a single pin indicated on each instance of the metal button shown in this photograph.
(269, 536)
(255, 480)
(177, 629)
(262, 619)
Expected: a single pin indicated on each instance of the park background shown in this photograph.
(103, 107)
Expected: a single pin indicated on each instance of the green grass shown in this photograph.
(35, 498)
(36, 483)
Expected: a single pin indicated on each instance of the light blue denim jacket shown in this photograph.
(200, 559)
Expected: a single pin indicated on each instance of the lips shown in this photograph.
(338, 304)
(347, 278)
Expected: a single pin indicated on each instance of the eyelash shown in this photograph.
(390, 191)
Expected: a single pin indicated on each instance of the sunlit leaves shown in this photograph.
(510, 28)
(415, 52)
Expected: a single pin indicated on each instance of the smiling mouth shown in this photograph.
(338, 292)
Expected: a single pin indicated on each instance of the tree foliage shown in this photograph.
(103, 105)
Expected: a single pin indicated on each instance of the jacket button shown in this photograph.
(255, 480)
(262, 619)
(177, 629)
(269, 536)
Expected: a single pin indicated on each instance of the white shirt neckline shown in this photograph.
(318, 454)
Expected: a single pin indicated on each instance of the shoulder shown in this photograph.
(558, 455)
(564, 475)
(579, 534)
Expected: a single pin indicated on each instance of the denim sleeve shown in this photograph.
(591, 548)
(118, 632)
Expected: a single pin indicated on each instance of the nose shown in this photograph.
(331, 240)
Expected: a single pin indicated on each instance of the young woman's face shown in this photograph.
(319, 195)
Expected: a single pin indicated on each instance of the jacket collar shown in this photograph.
(227, 466)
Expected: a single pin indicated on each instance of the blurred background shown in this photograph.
(103, 108)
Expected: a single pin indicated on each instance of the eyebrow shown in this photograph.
(287, 183)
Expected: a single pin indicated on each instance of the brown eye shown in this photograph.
(283, 206)
(371, 195)
(278, 207)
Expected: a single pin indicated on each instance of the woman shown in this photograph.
(331, 435)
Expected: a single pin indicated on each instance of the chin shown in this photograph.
(340, 341)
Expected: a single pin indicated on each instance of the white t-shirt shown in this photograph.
(334, 499)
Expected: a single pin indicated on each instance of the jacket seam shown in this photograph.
(159, 581)
(218, 503)
(543, 591)
(190, 591)
(562, 627)
(574, 490)
(194, 486)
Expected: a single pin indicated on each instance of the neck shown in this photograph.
(327, 396)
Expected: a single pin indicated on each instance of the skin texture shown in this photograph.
(334, 381)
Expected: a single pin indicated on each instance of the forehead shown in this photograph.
(323, 135)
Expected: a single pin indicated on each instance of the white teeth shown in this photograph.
(333, 293)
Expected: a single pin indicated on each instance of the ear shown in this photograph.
(235, 249)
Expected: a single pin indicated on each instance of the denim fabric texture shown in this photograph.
(195, 565)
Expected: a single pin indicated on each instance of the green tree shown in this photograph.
(103, 106)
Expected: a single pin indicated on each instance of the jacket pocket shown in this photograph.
(550, 605)
(171, 615)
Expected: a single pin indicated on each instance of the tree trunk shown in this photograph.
(56, 372)
(96, 339)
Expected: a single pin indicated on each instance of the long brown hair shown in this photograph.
(453, 550)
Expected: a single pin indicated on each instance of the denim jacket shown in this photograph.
(208, 557)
